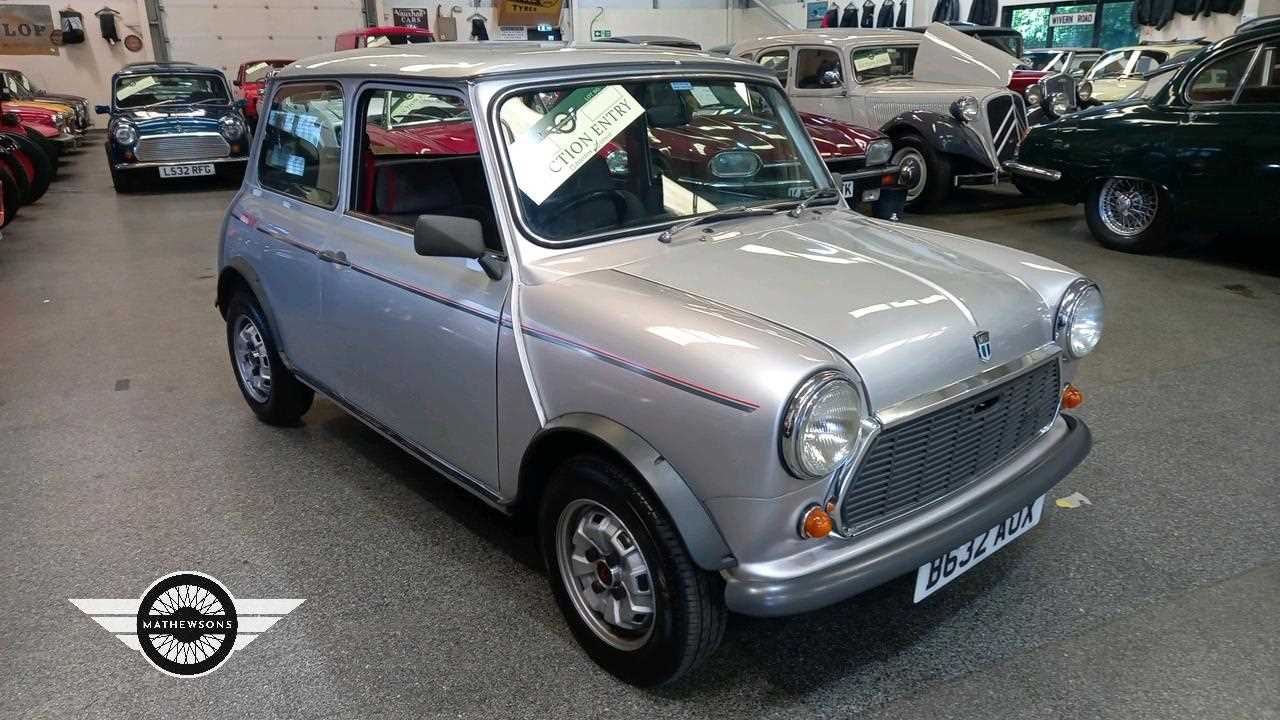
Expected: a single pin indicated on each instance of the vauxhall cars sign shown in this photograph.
(26, 30)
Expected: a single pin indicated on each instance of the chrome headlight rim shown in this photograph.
(966, 108)
(1068, 312)
(1085, 91)
(799, 411)
(124, 134)
(1035, 95)
(231, 126)
(879, 152)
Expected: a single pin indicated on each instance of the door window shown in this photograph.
(1263, 86)
(818, 69)
(301, 144)
(882, 62)
(1218, 81)
(418, 156)
(779, 61)
(1147, 62)
(1110, 66)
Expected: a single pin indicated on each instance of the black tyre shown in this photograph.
(926, 173)
(122, 182)
(1129, 215)
(273, 393)
(10, 197)
(19, 175)
(50, 148)
(631, 594)
(40, 162)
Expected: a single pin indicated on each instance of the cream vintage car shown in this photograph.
(941, 96)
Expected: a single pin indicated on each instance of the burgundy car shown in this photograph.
(382, 37)
(251, 78)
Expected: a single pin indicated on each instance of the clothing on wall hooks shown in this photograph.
(849, 18)
(885, 18)
(868, 13)
(983, 12)
(72, 24)
(107, 21)
(832, 18)
(478, 29)
(902, 14)
(947, 11)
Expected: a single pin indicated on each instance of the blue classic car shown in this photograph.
(173, 120)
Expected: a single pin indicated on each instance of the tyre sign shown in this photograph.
(186, 624)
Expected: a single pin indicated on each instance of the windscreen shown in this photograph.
(138, 91)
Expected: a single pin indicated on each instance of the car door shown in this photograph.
(1108, 75)
(414, 339)
(820, 84)
(1230, 151)
(285, 215)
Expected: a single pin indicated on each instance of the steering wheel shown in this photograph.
(621, 202)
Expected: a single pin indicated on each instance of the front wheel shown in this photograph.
(122, 182)
(631, 594)
(1128, 215)
(925, 173)
(273, 393)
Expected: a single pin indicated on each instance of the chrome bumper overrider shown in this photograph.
(786, 587)
(1031, 171)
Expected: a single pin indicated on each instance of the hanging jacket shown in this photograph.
(1162, 11)
(868, 13)
(885, 17)
(983, 12)
(478, 30)
(902, 14)
(832, 18)
(946, 11)
(850, 16)
(1226, 7)
(1141, 13)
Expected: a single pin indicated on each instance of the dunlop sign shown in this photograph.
(529, 13)
(26, 30)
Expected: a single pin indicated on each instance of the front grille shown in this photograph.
(175, 148)
(1007, 118)
(929, 457)
(1060, 83)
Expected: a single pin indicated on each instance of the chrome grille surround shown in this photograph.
(868, 497)
(181, 147)
(1007, 124)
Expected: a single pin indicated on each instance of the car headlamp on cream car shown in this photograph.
(711, 385)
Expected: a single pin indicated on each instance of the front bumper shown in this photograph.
(218, 163)
(865, 562)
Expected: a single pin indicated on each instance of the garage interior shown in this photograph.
(127, 452)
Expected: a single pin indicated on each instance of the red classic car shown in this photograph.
(382, 37)
(250, 80)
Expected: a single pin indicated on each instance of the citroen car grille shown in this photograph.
(928, 457)
(176, 148)
(1008, 119)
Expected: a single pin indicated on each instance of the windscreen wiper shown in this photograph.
(721, 214)
(815, 195)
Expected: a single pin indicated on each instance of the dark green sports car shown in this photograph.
(1197, 147)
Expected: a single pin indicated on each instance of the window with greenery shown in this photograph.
(1112, 26)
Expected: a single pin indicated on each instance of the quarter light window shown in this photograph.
(301, 144)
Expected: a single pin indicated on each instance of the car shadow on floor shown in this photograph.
(855, 634)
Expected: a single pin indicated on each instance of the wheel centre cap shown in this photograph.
(604, 574)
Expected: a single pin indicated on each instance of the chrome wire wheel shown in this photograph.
(605, 574)
(252, 364)
(914, 172)
(1128, 207)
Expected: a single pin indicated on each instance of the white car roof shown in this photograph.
(852, 37)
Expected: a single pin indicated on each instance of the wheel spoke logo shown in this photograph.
(187, 623)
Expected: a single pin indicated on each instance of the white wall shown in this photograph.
(86, 68)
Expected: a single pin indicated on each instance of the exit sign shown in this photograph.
(601, 34)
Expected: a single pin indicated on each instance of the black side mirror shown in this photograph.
(102, 109)
(448, 236)
(237, 83)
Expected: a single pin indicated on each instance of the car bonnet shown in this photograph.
(950, 57)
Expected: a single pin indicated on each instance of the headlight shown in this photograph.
(231, 126)
(1035, 95)
(736, 164)
(879, 152)
(619, 162)
(1085, 91)
(821, 425)
(1061, 105)
(125, 134)
(1079, 323)
(966, 108)
(59, 120)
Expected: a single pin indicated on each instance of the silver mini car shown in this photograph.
(713, 386)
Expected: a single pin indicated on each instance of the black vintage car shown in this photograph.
(173, 120)
(1198, 148)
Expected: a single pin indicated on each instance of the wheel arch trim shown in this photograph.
(239, 268)
(698, 531)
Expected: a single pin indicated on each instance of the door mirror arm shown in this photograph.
(494, 265)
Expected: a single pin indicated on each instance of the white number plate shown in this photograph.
(933, 575)
(179, 171)
(846, 189)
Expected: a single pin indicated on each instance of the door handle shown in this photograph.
(336, 257)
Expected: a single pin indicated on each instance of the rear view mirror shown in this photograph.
(448, 236)
(102, 109)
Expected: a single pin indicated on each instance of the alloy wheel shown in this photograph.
(1127, 207)
(252, 363)
(605, 574)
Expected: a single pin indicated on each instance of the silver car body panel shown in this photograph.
(694, 348)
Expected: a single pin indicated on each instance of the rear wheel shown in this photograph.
(926, 174)
(631, 594)
(273, 393)
(9, 197)
(41, 166)
(1128, 215)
